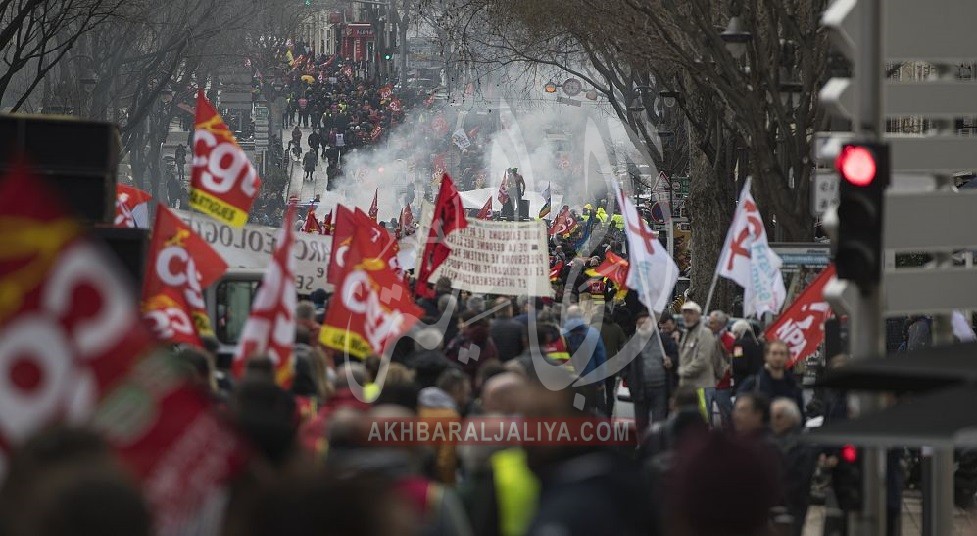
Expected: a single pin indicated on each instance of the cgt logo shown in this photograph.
(359, 295)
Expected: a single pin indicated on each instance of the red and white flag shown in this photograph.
(312, 224)
(270, 330)
(747, 259)
(651, 272)
(223, 183)
(375, 133)
(385, 92)
(131, 207)
(504, 189)
(449, 216)
(374, 210)
(395, 105)
(69, 326)
(347, 222)
(486, 212)
(180, 265)
(564, 223)
(372, 306)
(801, 326)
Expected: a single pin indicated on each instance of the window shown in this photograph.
(233, 307)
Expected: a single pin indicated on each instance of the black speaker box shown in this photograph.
(129, 246)
(78, 159)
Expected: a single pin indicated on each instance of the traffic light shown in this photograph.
(846, 478)
(865, 174)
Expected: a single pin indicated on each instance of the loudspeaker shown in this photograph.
(130, 247)
(523, 210)
(77, 158)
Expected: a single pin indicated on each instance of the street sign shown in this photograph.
(929, 221)
(571, 102)
(824, 192)
(931, 30)
(929, 290)
(802, 253)
(944, 98)
(572, 87)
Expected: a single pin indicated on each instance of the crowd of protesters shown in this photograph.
(345, 109)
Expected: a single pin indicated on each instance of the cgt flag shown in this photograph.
(179, 266)
(372, 306)
(564, 224)
(347, 222)
(69, 327)
(407, 221)
(801, 326)
(747, 259)
(449, 216)
(223, 183)
(327, 224)
(312, 224)
(614, 268)
(131, 207)
(485, 213)
(270, 329)
(652, 273)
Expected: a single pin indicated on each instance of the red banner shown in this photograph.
(371, 307)
(168, 434)
(374, 210)
(179, 266)
(801, 326)
(270, 329)
(131, 207)
(485, 213)
(223, 184)
(449, 215)
(69, 327)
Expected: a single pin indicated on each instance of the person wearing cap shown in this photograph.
(695, 355)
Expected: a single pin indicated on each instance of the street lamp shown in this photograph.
(736, 37)
(669, 98)
(166, 95)
(550, 87)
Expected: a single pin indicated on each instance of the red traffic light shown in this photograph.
(857, 165)
(849, 454)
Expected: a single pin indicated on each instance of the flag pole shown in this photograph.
(712, 287)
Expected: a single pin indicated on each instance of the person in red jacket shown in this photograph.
(724, 385)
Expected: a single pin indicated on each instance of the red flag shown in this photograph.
(564, 223)
(347, 71)
(504, 189)
(312, 225)
(371, 307)
(223, 183)
(373, 206)
(801, 326)
(407, 220)
(175, 444)
(180, 265)
(614, 268)
(385, 92)
(382, 243)
(395, 105)
(375, 133)
(486, 211)
(69, 327)
(270, 330)
(449, 215)
(327, 224)
(439, 165)
(131, 207)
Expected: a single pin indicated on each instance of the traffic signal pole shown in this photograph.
(867, 338)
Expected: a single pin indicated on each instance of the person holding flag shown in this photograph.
(548, 197)
(374, 210)
(449, 216)
(747, 259)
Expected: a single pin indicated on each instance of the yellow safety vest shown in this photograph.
(371, 391)
(601, 215)
(516, 491)
(618, 221)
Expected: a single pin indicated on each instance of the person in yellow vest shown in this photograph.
(584, 489)
(617, 220)
(500, 493)
(601, 215)
(586, 212)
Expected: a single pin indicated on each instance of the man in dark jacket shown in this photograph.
(800, 459)
(774, 380)
(506, 332)
(646, 375)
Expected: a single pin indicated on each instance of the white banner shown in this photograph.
(497, 257)
(251, 247)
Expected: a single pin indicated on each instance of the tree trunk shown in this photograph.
(711, 203)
